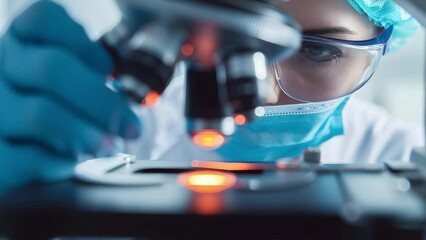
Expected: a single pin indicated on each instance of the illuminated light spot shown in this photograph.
(259, 111)
(229, 166)
(207, 181)
(187, 50)
(150, 99)
(240, 119)
(260, 65)
(208, 139)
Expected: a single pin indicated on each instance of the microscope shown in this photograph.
(226, 47)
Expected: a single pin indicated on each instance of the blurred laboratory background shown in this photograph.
(397, 85)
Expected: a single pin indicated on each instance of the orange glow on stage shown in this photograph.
(228, 166)
(208, 203)
(207, 181)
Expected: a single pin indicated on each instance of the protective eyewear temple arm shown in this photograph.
(382, 40)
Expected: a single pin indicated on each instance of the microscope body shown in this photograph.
(225, 46)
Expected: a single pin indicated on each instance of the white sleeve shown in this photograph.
(372, 135)
(163, 124)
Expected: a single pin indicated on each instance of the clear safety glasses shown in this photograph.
(326, 68)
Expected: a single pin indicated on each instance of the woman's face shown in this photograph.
(324, 18)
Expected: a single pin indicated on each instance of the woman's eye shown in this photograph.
(320, 52)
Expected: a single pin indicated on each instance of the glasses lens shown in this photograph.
(322, 71)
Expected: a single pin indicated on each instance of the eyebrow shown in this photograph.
(330, 30)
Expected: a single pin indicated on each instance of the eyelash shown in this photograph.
(334, 54)
(325, 63)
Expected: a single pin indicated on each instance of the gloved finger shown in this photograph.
(65, 79)
(39, 119)
(22, 164)
(47, 23)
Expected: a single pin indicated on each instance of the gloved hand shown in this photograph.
(54, 104)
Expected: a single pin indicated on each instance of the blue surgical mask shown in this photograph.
(285, 131)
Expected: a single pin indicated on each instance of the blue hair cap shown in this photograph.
(385, 13)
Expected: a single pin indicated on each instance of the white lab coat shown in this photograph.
(371, 134)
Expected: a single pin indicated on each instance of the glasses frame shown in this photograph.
(381, 41)
(378, 44)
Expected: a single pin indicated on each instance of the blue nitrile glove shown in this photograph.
(54, 104)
